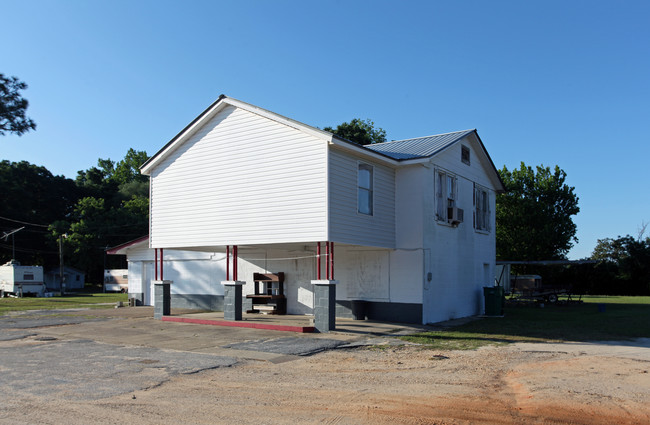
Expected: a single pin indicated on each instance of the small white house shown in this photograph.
(73, 278)
(410, 223)
(21, 280)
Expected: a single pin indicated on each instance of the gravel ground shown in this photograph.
(52, 380)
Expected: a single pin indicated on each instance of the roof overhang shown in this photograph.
(122, 249)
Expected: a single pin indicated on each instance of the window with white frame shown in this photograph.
(446, 194)
(482, 213)
(365, 189)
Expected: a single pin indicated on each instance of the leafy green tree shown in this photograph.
(115, 209)
(533, 216)
(359, 131)
(94, 225)
(626, 263)
(13, 107)
(128, 169)
(116, 181)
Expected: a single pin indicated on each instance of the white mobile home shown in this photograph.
(21, 280)
(409, 224)
(116, 280)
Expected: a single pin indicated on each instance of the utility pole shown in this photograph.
(61, 275)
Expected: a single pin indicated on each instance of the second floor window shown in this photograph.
(364, 189)
(482, 202)
(445, 194)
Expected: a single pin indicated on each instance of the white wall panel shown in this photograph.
(240, 179)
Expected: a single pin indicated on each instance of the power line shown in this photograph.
(27, 250)
(24, 222)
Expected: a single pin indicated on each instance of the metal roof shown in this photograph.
(420, 147)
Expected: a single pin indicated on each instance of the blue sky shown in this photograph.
(544, 82)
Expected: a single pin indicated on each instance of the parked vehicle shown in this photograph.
(531, 287)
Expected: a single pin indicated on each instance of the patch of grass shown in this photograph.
(622, 318)
(615, 299)
(61, 302)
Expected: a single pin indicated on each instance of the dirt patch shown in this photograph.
(394, 385)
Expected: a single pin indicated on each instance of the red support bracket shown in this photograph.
(331, 260)
(227, 262)
(318, 261)
(234, 262)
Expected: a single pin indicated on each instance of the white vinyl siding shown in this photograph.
(347, 225)
(240, 179)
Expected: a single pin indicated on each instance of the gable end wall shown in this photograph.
(240, 179)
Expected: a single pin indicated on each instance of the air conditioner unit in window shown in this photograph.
(454, 215)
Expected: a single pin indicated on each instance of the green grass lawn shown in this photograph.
(60, 302)
(622, 318)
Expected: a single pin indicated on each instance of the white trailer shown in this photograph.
(21, 280)
(116, 280)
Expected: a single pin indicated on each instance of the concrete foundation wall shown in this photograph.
(198, 301)
(386, 312)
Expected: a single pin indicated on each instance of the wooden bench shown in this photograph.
(269, 294)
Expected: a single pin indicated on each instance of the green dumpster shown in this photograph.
(493, 300)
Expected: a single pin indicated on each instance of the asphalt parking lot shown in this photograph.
(93, 354)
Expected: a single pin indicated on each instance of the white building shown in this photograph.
(411, 221)
(196, 275)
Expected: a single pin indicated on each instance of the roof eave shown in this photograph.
(502, 188)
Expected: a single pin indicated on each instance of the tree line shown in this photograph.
(104, 206)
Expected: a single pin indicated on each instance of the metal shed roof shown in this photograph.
(420, 147)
